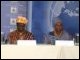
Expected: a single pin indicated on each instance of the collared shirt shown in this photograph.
(51, 36)
(16, 35)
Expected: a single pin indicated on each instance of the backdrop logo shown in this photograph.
(13, 9)
(13, 21)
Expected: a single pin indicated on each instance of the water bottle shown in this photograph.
(2, 38)
(52, 39)
(76, 39)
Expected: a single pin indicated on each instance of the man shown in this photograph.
(59, 33)
(20, 33)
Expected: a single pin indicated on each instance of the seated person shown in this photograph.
(20, 33)
(59, 33)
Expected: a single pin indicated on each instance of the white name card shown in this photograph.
(64, 42)
(26, 42)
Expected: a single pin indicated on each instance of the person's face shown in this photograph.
(20, 26)
(58, 27)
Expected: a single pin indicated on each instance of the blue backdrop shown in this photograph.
(41, 16)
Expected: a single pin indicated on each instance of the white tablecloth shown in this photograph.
(39, 52)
